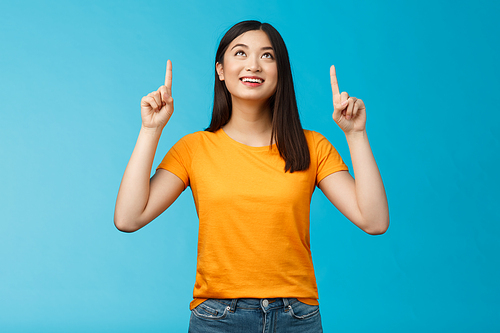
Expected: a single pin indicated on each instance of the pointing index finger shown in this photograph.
(333, 79)
(168, 75)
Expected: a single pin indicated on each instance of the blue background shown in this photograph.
(71, 78)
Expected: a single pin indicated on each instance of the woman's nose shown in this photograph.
(253, 65)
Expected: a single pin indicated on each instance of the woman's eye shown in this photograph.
(240, 53)
(268, 56)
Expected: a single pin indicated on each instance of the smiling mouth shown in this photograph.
(251, 80)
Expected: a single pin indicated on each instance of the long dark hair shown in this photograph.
(287, 131)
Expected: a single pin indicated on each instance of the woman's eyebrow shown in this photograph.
(243, 45)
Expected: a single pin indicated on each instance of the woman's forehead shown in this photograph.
(252, 38)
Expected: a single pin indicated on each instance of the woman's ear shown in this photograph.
(220, 72)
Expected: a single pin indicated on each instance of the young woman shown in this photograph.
(252, 174)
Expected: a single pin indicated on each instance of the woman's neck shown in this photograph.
(250, 123)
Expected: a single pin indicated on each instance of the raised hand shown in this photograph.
(348, 112)
(157, 107)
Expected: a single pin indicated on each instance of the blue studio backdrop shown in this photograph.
(72, 74)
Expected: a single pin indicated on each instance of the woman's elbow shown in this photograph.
(378, 228)
(124, 225)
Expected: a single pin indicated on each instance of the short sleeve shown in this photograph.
(328, 159)
(178, 160)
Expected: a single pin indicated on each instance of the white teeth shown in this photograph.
(246, 79)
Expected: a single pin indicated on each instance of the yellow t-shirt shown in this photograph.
(253, 237)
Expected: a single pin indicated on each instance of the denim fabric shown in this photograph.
(252, 315)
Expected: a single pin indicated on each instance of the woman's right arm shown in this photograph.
(141, 199)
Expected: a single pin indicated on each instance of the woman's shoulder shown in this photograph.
(318, 141)
(313, 136)
(197, 136)
(194, 141)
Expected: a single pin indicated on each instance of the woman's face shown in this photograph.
(249, 68)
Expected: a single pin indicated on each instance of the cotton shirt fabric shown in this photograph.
(253, 237)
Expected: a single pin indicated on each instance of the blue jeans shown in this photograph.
(253, 315)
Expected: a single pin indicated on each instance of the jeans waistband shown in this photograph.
(256, 303)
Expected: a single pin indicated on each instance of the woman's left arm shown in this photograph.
(362, 200)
